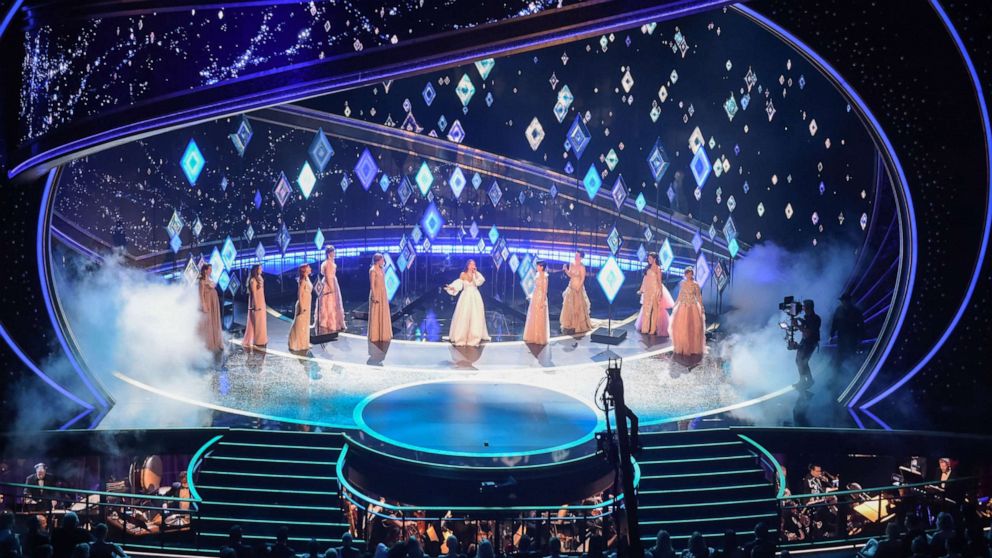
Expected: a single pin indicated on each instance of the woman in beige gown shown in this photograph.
(256, 332)
(299, 335)
(575, 307)
(330, 306)
(537, 329)
(655, 301)
(688, 328)
(380, 322)
(209, 326)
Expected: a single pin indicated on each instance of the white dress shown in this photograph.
(468, 324)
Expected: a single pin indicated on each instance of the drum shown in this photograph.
(146, 476)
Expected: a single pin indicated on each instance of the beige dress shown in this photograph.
(575, 307)
(537, 329)
(380, 322)
(256, 331)
(209, 326)
(655, 302)
(330, 306)
(299, 336)
(688, 329)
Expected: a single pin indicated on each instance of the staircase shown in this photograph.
(265, 479)
(702, 480)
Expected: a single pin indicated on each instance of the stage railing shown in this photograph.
(132, 519)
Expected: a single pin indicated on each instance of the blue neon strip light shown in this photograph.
(10, 16)
(890, 152)
(42, 257)
(965, 302)
(37, 371)
(191, 468)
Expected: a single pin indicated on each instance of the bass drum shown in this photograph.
(146, 476)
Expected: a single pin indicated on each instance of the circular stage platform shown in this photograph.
(472, 418)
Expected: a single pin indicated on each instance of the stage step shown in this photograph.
(702, 480)
(266, 479)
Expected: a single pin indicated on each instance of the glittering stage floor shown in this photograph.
(324, 386)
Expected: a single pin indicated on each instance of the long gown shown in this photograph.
(256, 332)
(209, 326)
(468, 324)
(576, 307)
(688, 324)
(299, 335)
(330, 306)
(655, 302)
(537, 329)
(380, 322)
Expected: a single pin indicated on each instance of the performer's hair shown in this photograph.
(648, 259)
(688, 270)
(580, 253)
(376, 258)
(302, 267)
(256, 270)
(203, 271)
(464, 269)
(329, 250)
(541, 264)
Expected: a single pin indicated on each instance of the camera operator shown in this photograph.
(809, 325)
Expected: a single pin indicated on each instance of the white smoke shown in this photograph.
(755, 347)
(135, 323)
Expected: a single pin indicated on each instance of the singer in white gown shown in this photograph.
(468, 324)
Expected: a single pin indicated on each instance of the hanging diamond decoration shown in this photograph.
(610, 278)
(495, 193)
(666, 256)
(457, 182)
(658, 160)
(456, 133)
(176, 244)
(320, 150)
(474, 229)
(535, 134)
(614, 240)
(730, 229)
(192, 162)
(465, 90)
(700, 167)
(283, 238)
(424, 178)
(306, 180)
(242, 136)
(702, 270)
(432, 221)
(697, 241)
(428, 93)
(619, 192)
(405, 190)
(175, 225)
(640, 202)
(788, 211)
(282, 190)
(733, 247)
(578, 136)
(592, 182)
(493, 234)
(366, 168)
(485, 66)
(250, 233)
(612, 159)
(476, 181)
(318, 239)
(260, 252)
(730, 107)
(228, 253)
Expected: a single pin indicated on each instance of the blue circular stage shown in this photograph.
(477, 418)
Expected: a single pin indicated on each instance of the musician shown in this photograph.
(824, 515)
(816, 481)
(41, 479)
(947, 475)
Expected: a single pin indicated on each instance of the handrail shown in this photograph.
(100, 493)
(886, 488)
(774, 463)
(191, 467)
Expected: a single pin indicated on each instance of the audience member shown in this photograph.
(413, 549)
(762, 546)
(662, 546)
(914, 527)
(945, 531)
(101, 548)
(597, 547)
(227, 552)
(381, 551)
(730, 547)
(35, 536)
(66, 538)
(348, 549)
(920, 547)
(42, 551)
(954, 547)
(696, 547)
(977, 546)
(485, 550)
(282, 549)
(81, 550)
(554, 547)
(452, 543)
(10, 544)
(331, 553)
